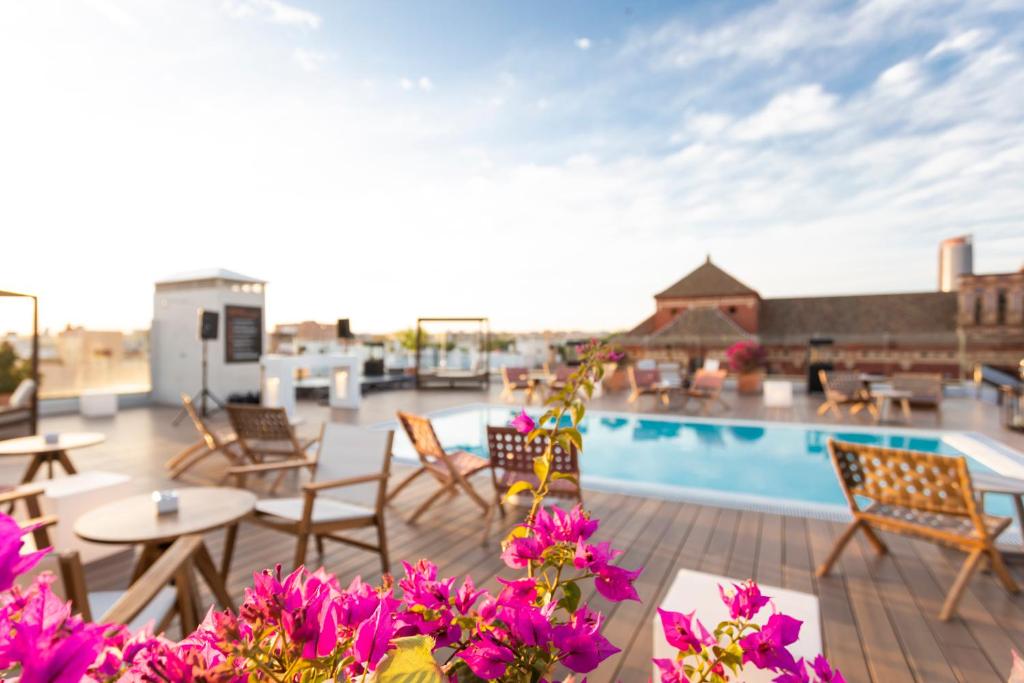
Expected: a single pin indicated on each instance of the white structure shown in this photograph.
(698, 592)
(778, 393)
(339, 373)
(97, 403)
(956, 258)
(175, 348)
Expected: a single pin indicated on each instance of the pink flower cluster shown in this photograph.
(604, 352)
(745, 356)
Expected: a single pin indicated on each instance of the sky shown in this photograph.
(550, 165)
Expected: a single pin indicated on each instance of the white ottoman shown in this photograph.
(97, 403)
(70, 497)
(697, 591)
(777, 393)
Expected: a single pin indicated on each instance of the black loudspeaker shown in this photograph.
(344, 331)
(208, 323)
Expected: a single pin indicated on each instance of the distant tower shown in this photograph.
(956, 258)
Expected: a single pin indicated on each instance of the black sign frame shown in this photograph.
(239, 331)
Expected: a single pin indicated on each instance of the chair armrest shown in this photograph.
(141, 593)
(293, 464)
(43, 522)
(314, 486)
(20, 493)
(309, 442)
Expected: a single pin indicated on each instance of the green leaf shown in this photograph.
(517, 488)
(541, 466)
(574, 436)
(566, 476)
(410, 660)
(578, 410)
(570, 597)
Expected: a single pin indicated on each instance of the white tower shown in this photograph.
(176, 353)
(956, 258)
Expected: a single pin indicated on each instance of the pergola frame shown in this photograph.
(484, 335)
(34, 407)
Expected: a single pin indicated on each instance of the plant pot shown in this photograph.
(749, 382)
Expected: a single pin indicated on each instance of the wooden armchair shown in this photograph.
(515, 379)
(706, 389)
(209, 443)
(644, 383)
(559, 375)
(363, 457)
(29, 495)
(918, 494)
(452, 470)
(511, 461)
(267, 433)
(845, 388)
(925, 389)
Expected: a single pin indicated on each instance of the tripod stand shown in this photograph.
(200, 397)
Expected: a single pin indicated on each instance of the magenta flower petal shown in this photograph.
(523, 423)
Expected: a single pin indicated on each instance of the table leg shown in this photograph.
(65, 462)
(49, 466)
(188, 609)
(230, 534)
(905, 404)
(1020, 512)
(149, 554)
(206, 567)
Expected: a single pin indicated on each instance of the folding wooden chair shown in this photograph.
(706, 389)
(363, 457)
(646, 383)
(845, 388)
(917, 494)
(511, 461)
(451, 470)
(267, 433)
(516, 379)
(210, 442)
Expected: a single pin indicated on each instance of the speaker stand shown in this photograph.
(200, 397)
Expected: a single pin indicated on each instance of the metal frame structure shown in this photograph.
(34, 408)
(452, 381)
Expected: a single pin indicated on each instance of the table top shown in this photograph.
(996, 483)
(892, 393)
(29, 445)
(134, 519)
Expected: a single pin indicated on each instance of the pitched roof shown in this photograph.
(695, 325)
(706, 280)
(208, 274)
(917, 315)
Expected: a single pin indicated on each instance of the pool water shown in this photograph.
(772, 465)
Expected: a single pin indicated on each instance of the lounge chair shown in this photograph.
(706, 389)
(559, 375)
(452, 470)
(516, 379)
(512, 461)
(209, 443)
(925, 389)
(355, 500)
(647, 382)
(918, 494)
(845, 389)
(267, 433)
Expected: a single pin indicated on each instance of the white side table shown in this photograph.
(697, 591)
(97, 403)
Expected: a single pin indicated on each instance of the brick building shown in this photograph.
(705, 312)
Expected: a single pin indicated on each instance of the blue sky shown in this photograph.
(551, 165)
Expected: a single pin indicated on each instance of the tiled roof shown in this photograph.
(208, 274)
(695, 325)
(707, 280)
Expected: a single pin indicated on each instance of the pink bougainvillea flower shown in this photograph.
(766, 649)
(580, 642)
(532, 625)
(12, 563)
(679, 630)
(523, 423)
(616, 583)
(744, 601)
(467, 596)
(594, 557)
(486, 658)
(373, 637)
(826, 674)
(519, 552)
(555, 525)
(517, 592)
(671, 671)
(797, 675)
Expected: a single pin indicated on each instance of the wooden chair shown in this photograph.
(706, 389)
(267, 433)
(452, 470)
(209, 443)
(925, 389)
(511, 461)
(559, 375)
(842, 389)
(516, 379)
(644, 383)
(320, 512)
(918, 494)
(30, 496)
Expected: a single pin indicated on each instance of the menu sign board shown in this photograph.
(243, 334)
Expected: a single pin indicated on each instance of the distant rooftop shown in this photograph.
(706, 280)
(209, 274)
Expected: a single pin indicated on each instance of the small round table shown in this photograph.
(44, 453)
(884, 398)
(134, 521)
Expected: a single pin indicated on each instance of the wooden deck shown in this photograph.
(878, 613)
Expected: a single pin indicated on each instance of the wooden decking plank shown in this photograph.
(716, 556)
(797, 572)
(769, 556)
(744, 549)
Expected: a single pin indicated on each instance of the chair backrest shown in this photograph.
(841, 383)
(509, 450)
(646, 364)
(709, 381)
(559, 372)
(349, 451)
(22, 396)
(514, 375)
(927, 482)
(923, 385)
(422, 437)
(711, 364)
(257, 425)
(643, 379)
(204, 431)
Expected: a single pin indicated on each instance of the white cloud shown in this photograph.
(901, 79)
(582, 43)
(805, 109)
(960, 42)
(274, 11)
(425, 84)
(309, 60)
(405, 83)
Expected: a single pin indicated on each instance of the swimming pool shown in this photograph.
(769, 466)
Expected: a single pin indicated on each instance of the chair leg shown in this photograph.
(319, 546)
(175, 460)
(824, 408)
(876, 543)
(300, 549)
(837, 549)
(402, 484)
(999, 567)
(446, 488)
(953, 597)
(382, 542)
(488, 518)
(471, 492)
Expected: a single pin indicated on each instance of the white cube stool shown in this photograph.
(777, 393)
(97, 403)
(72, 496)
(697, 591)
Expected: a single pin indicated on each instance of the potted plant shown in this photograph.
(747, 360)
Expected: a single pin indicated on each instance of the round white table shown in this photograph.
(44, 453)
